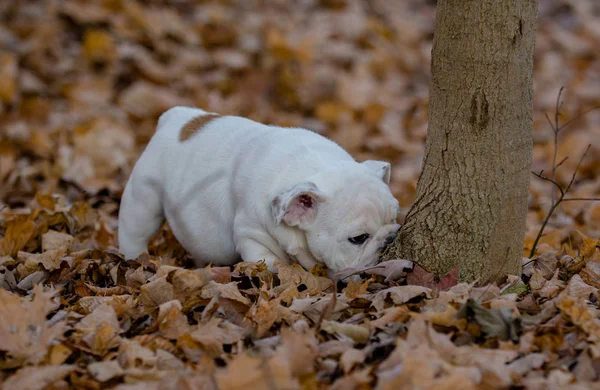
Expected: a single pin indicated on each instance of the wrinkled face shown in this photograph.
(348, 220)
(352, 228)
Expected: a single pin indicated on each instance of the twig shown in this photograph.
(563, 193)
(539, 235)
(556, 128)
(541, 176)
(580, 199)
(583, 113)
(577, 168)
(562, 161)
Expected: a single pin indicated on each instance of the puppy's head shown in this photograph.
(349, 217)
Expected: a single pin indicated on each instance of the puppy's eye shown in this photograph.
(358, 240)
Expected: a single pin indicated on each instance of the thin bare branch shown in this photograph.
(560, 200)
(551, 181)
(577, 168)
(583, 113)
(581, 199)
(557, 108)
(556, 130)
(562, 162)
(549, 121)
(541, 232)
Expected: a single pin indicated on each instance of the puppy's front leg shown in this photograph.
(253, 251)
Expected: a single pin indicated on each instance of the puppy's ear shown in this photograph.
(297, 206)
(381, 168)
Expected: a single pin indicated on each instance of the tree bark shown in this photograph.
(471, 200)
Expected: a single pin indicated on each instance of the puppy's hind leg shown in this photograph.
(140, 216)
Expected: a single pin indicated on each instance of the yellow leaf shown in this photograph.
(58, 354)
(98, 45)
(8, 77)
(19, 231)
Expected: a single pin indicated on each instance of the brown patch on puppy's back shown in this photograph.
(194, 125)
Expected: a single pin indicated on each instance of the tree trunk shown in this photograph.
(471, 200)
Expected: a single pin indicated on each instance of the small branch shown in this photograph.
(551, 181)
(561, 199)
(557, 108)
(556, 129)
(541, 232)
(581, 199)
(577, 168)
(562, 161)
(583, 113)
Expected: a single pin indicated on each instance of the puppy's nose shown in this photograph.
(391, 237)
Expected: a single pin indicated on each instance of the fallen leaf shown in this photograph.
(359, 334)
(105, 371)
(246, 373)
(25, 334)
(294, 273)
(37, 378)
(399, 295)
(56, 240)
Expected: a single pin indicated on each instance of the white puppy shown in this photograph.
(231, 187)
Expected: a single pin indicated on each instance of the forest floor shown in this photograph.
(81, 87)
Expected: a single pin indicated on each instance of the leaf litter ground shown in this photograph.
(81, 87)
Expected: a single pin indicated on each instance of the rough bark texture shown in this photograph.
(471, 198)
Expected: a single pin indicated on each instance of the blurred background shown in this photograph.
(82, 84)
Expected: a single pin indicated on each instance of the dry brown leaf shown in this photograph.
(294, 273)
(265, 314)
(400, 295)
(212, 335)
(50, 260)
(351, 358)
(172, 323)
(133, 355)
(100, 329)
(227, 291)
(578, 289)
(581, 315)
(56, 240)
(104, 371)
(358, 333)
(25, 334)
(156, 293)
(255, 373)
(393, 269)
(19, 231)
(188, 284)
(299, 350)
(354, 289)
(58, 354)
(37, 378)
(313, 307)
